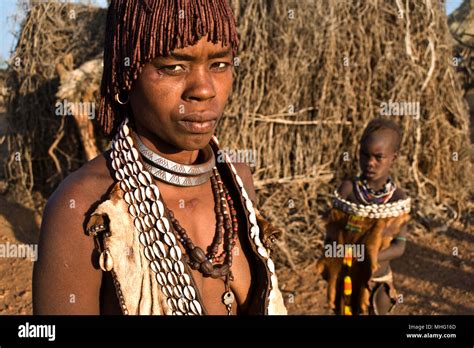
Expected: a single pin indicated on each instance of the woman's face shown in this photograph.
(180, 98)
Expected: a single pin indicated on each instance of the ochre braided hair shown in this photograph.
(137, 31)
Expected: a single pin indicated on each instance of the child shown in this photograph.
(369, 216)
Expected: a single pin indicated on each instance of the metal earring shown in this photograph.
(117, 99)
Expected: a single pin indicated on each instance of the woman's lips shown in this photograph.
(199, 122)
(198, 127)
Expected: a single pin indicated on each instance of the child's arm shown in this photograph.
(396, 248)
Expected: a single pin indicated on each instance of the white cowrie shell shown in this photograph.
(142, 193)
(253, 231)
(143, 179)
(179, 267)
(116, 164)
(136, 194)
(147, 176)
(155, 266)
(195, 307)
(189, 292)
(169, 239)
(108, 261)
(178, 293)
(175, 253)
(249, 205)
(149, 221)
(172, 279)
(129, 198)
(119, 174)
(130, 168)
(128, 143)
(145, 207)
(271, 265)
(152, 192)
(252, 218)
(124, 185)
(182, 305)
(169, 291)
(133, 210)
(125, 130)
(170, 303)
(158, 209)
(136, 168)
(139, 224)
(148, 253)
(153, 234)
(166, 223)
(132, 155)
(159, 249)
(167, 265)
(262, 251)
(133, 182)
(118, 145)
(160, 226)
(161, 278)
(143, 239)
(139, 194)
(184, 279)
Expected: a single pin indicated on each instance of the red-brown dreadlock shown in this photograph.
(138, 31)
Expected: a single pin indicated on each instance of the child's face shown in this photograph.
(180, 98)
(377, 155)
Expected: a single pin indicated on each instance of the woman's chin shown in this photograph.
(194, 142)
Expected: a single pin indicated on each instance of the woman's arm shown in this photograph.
(65, 279)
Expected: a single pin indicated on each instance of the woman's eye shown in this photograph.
(220, 66)
(171, 69)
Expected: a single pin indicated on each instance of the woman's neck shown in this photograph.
(166, 150)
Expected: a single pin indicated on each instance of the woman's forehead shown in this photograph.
(203, 49)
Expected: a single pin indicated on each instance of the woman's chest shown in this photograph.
(212, 231)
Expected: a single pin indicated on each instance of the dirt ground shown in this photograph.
(428, 276)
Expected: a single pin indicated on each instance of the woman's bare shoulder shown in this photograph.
(66, 258)
(89, 182)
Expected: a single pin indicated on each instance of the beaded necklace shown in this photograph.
(368, 195)
(153, 221)
(209, 264)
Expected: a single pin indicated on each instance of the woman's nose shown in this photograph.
(200, 86)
